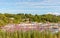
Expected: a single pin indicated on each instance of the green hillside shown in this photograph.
(17, 18)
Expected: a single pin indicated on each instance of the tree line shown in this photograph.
(18, 18)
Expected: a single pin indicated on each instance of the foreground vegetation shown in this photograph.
(29, 34)
(17, 18)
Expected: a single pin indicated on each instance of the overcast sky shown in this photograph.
(30, 6)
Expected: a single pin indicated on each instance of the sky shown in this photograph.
(30, 6)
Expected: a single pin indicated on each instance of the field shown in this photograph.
(14, 22)
(29, 34)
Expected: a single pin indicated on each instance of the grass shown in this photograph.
(29, 34)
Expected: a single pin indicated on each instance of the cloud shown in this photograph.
(54, 13)
(20, 11)
(48, 3)
(32, 6)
